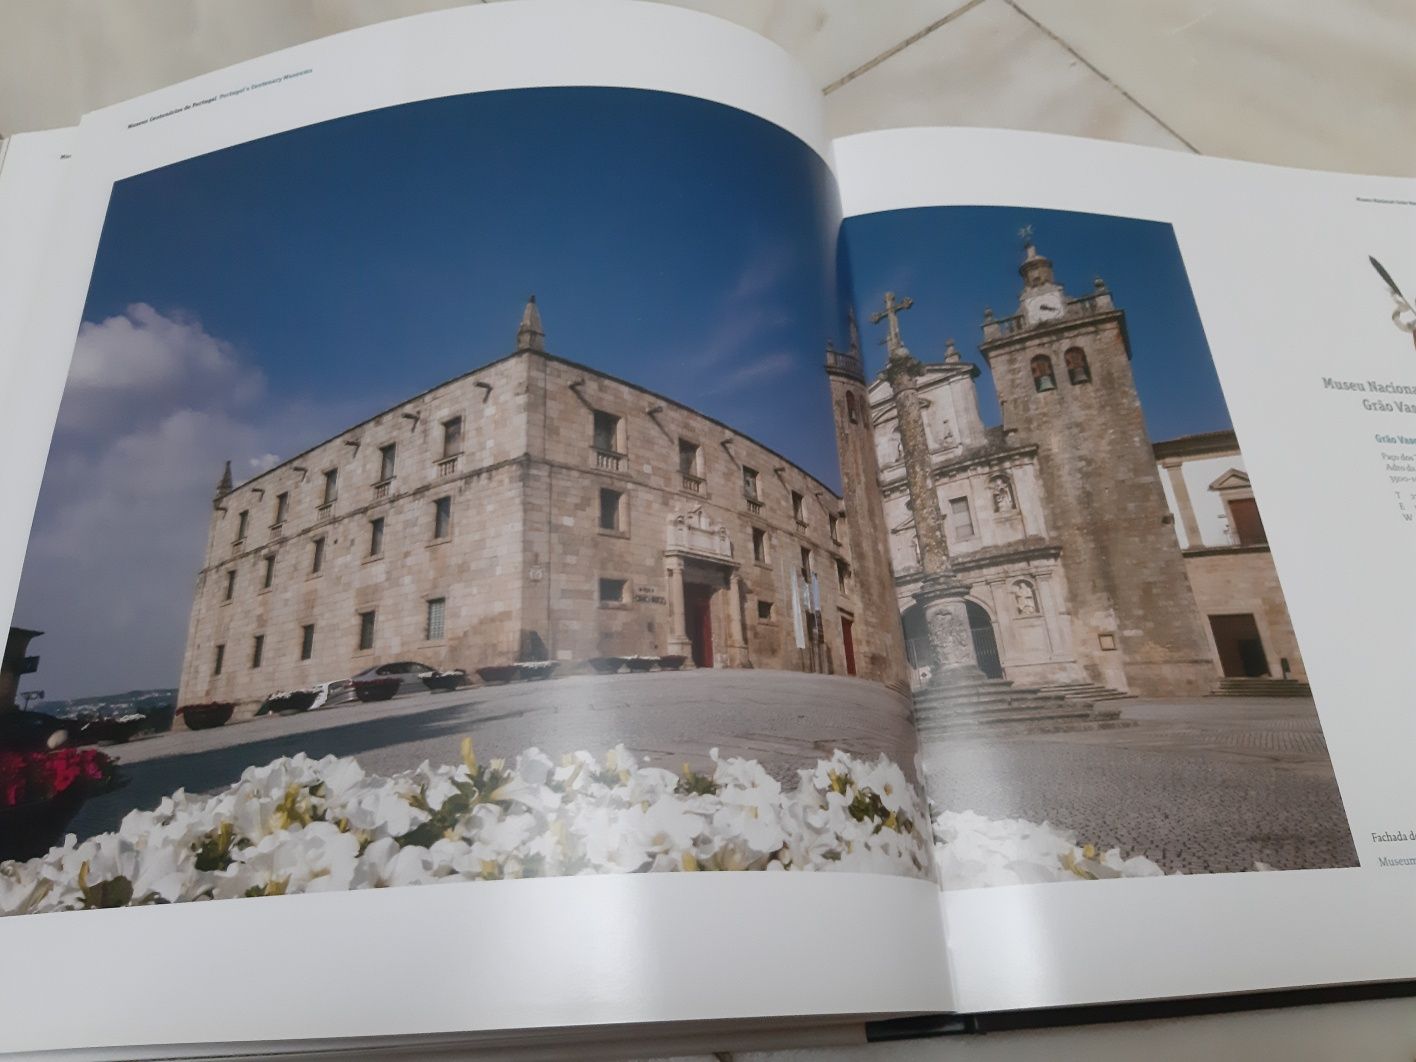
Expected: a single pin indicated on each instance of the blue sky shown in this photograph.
(252, 302)
(955, 261)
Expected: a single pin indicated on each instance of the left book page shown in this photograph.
(444, 490)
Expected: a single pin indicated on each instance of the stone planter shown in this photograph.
(32, 829)
(443, 681)
(377, 689)
(641, 663)
(206, 716)
(498, 674)
(110, 731)
(289, 703)
(535, 672)
(673, 662)
(606, 665)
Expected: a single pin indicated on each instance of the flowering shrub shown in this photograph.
(35, 775)
(304, 825)
(973, 851)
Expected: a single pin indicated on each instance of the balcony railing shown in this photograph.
(448, 466)
(381, 490)
(691, 483)
(845, 361)
(754, 506)
(609, 461)
(324, 512)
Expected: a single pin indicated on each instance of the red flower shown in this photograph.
(42, 775)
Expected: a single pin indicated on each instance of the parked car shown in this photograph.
(409, 673)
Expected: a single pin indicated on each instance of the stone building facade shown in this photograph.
(1066, 521)
(533, 509)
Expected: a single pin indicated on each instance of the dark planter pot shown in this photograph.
(298, 701)
(206, 716)
(160, 720)
(32, 829)
(607, 665)
(444, 683)
(498, 674)
(673, 662)
(380, 689)
(642, 663)
(536, 673)
(98, 731)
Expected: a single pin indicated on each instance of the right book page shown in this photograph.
(1146, 429)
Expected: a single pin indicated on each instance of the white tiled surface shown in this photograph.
(1322, 83)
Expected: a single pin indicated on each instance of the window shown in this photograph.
(688, 457)
(452, 436)
(843, 576)
(268, 572)
(282, 507)
(331, 486)
(220, 659)
(387, 455)
(1043, 379)
(230, 584)
(759, 545)
(1247, 524)
(437, 610)
(442, 518)
(798, 507)
(257, 650)
(607, 432)
(307, 641)
(851, 414)
(962, 518)
(612, 591)
(806, 562)
(610, 501)
(241, 522)
(749, 483)
(1078, 371)
(764, 610)
(317, 556)
(835, 522)
(366, 630)
(376, 530)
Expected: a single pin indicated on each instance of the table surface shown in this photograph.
(1327, 84)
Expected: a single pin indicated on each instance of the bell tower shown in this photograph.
(1062, 368)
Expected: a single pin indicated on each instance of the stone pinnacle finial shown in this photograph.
(530, 336)
(223, 487)
(951, 352)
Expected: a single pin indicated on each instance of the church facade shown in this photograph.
(533, 509)
(1093, 555)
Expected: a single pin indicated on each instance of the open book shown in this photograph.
(506, 465)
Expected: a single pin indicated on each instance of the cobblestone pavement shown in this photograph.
(783, 719)
(1200, 786)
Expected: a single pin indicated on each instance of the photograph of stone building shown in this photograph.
(533, 509)
(1101, 656)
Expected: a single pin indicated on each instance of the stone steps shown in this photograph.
(1085, 691)
(981, 705)
(1262, 687)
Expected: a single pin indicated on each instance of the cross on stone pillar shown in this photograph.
(941, 594)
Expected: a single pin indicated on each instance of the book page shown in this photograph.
(1143, 422)
(446, 489)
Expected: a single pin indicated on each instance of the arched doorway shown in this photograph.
(984, 642)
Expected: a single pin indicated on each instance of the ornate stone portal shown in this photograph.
(698, 557)
(959, 696)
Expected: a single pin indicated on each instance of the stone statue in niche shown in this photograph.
(1004, 500)
(1025, 598)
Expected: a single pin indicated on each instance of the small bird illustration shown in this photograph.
(1404, 316)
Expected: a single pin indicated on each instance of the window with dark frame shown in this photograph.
(242, 521)
(806, 563)
(843, 576)
(257, 650)
(219, 661)
(268, 573)
(759, 545)
(835, 522)
(610, 502)
(962, 517)
(388, 455)
(798, 507)
(307, 641)
(688, 457)
(764, 610)
(452, 436)
(442, 518)
(282, 507)
(437, 613)
(317, 552)
(376, 536)
(607, 432)
(612, 591)
(366, 630)
(1248, 525)
(1078, 371)
(230, 584)
(749, 484)
(1042, 375)
(331, 486)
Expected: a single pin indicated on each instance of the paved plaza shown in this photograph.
(786, 720)
(1200, 786)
